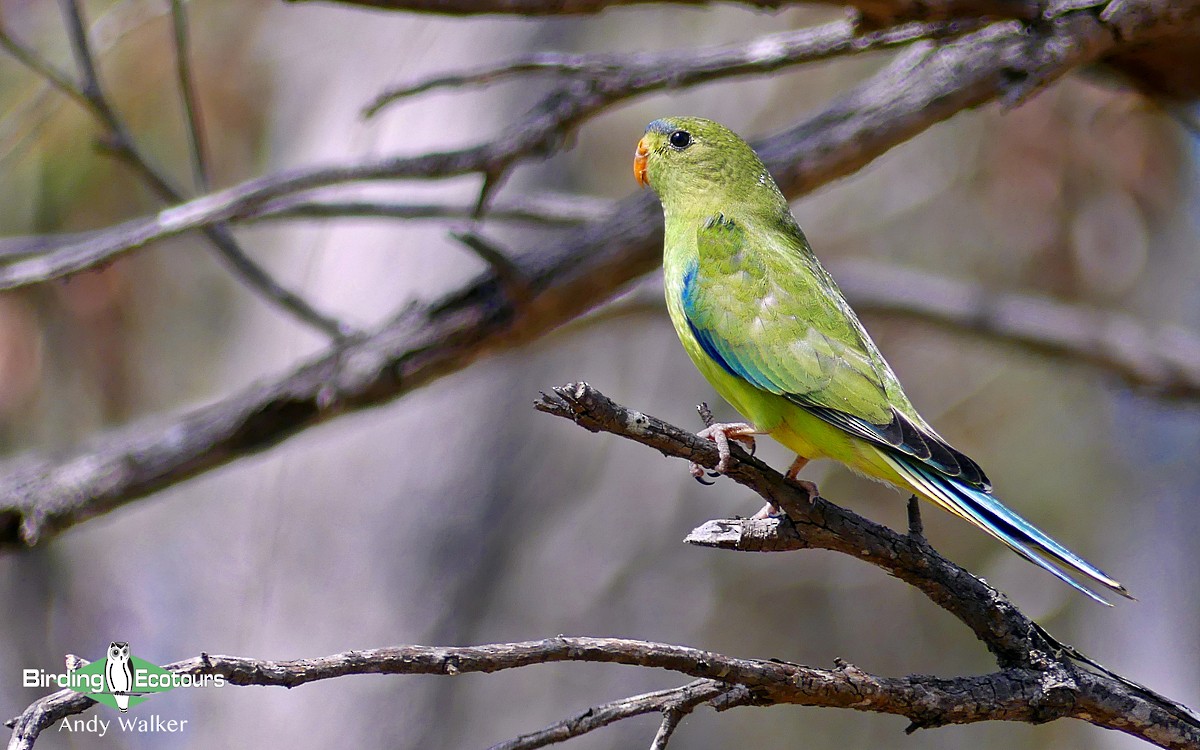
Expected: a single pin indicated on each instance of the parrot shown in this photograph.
(767, 326)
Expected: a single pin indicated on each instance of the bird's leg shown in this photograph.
(721, 433)
(797, 466)
(916, 529)
(793, 474)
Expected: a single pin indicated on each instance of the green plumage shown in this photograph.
(767, 326)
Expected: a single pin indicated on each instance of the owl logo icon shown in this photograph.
(118, 675)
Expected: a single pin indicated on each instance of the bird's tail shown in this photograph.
(988, 513)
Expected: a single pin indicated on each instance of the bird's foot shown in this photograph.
(793, 477)
(768, 511)
(774, 511)
(721, 433)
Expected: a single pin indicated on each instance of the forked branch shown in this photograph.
(1017, 642)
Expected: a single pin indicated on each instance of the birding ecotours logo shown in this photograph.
(119, 680)
(118, 674)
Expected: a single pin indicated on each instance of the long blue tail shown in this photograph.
(986, 512)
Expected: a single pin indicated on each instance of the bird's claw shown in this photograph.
(698, 473)
(721, 434)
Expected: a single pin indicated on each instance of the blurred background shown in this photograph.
(459, 515)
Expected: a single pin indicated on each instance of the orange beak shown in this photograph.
(639, 163)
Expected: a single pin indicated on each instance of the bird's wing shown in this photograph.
(762, 307)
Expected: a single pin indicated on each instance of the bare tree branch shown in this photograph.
(540, 132)
(1167, 66)
(28, 57)
(874, 10)
(532, 7)
(42, 496)
(1164, 361)
(630, 75)
(523, 296)
(999, 61)
(819, 524)
(1044, 692)
(815, 523)
(1161, 360)
(888, 12)
(95, 248)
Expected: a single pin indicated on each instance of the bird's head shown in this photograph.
(692, 161)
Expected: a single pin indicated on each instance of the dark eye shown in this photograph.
(680, 139)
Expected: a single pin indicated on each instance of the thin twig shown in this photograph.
(197, 149)
(916, 528)
(591, 719)
(507, 272)
(26, 119)
(30, 59)
(551, 210)
(676, 707)
(82, 52)
(670, 722)
(92, 97)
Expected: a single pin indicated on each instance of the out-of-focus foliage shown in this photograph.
(459, 515)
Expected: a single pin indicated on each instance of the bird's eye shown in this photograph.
(680, 139)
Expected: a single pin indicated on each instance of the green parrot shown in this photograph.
(766, 324)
